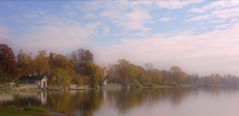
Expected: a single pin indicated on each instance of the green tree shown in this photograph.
(95, 74)
(63, 77)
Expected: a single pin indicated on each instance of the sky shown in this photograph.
(200, 36)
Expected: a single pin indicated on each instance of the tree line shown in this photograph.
(79, 68)
(136, 75)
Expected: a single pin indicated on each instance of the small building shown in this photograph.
(40, 81)
(105, 82)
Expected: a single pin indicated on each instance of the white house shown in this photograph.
(105, 82)
(41, 81)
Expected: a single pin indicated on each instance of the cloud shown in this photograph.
(132, 15)
(223, 14)
(217, 14)
(57, 37)
(199, 18)
(215, 51)
(134, 20)
(166, 19)
(216, 5)
(175, 4)
(222, 10)
(164, 4)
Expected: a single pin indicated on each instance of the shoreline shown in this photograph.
(110, 87)
(113, 87)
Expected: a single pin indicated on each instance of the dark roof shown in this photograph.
(31, 78)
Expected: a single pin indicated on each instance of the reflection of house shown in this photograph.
(43, 97)
(4, 97)
(41, 81)
(33, 98)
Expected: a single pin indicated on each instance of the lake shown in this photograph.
(133, 102)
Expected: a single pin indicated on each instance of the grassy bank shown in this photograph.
(27, 111)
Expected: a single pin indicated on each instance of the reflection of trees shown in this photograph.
(91, 103)
(177, 95)
(80, 103)
(216, 91)
(127, 99)
(85, 103)
(124, 100)
(24, 99)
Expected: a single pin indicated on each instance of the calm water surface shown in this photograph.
(136, 102)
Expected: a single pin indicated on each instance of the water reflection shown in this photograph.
(80, 103)
(89, 103)
(125, 100)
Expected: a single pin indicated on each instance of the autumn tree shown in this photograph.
(127, 73)
(167, 77)
(8, 67)
(149, 68)
(179, 75)
(62, 62)
(57, 63)
(142, 75)
(123, 69)
(156, 76)
(25, 63)
(79, 58)
(41, 63)
(86, 68)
